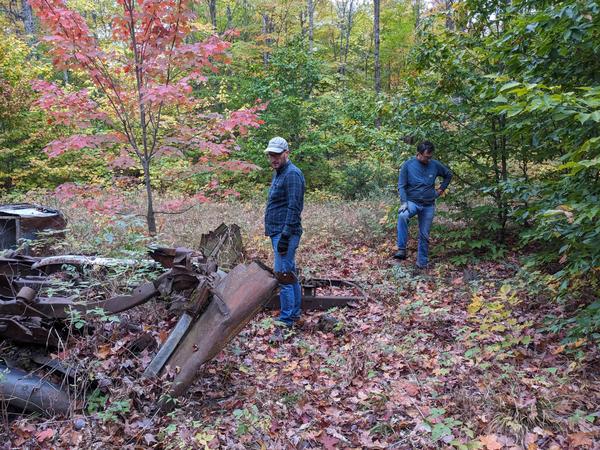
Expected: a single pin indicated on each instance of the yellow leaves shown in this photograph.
(475, 305)
(497, 328)
(273, 360)
(497, 322)
(291, 367)
(361, 250)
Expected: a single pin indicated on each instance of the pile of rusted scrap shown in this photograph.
(22, 223)
(215, 306)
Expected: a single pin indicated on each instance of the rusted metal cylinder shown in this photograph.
(26, 294)
(32, 394)
(236, 299)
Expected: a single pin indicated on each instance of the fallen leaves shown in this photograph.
(44, 435)
(490, 442)
(104, 351)
(433, 361)
(581, 439)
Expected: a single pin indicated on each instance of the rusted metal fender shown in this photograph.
(32, 394)
(236, 299)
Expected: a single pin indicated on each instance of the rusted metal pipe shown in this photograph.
(30, 393)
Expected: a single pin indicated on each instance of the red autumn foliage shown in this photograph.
(148, 75)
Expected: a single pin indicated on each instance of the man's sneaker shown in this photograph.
(400, 254)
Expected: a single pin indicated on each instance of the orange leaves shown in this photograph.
(490, 442)
(584, 440)
(163, 335)
(48, 433)
(104, 351)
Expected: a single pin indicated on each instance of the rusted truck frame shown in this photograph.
(218, 305)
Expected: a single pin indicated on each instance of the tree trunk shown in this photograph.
(212, 11)
(311, 23)
(229, 18)
(376, 7)
(349, 24)
(150, 217)
(498, 144)
(504, 175)
(27, 15)
(417, 15)
(449, 19)
(267, 29)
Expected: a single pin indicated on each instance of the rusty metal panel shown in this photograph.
(120, 303)
(168, 347)
(26, 221)
(29, 330)
(50, 308)
(316, 303)
(236, 299)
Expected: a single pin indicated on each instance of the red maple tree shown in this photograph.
(143, 96)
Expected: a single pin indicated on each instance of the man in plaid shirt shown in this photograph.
(284, 226)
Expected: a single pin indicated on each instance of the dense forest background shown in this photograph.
(507, 90)
(145, 122)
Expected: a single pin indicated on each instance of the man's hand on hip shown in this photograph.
(440, 192)
(283, 244)
(403, 207)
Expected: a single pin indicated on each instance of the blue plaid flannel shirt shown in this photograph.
(286, 201)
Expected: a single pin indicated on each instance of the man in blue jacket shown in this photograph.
(416, 186)
(284, 226)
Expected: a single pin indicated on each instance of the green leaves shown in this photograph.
(509, 85)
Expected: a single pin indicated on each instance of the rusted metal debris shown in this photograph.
(312, 301)
(26, 392)
(236, 299)
(215, 307)
(25, 221)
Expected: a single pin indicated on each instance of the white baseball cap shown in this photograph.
(277, 145)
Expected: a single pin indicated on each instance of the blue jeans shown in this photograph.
(290, 295)
(425, 215)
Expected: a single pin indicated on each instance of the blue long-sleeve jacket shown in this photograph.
(417, 181)
(286, 201)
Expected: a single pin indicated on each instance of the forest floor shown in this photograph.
(453, 358)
